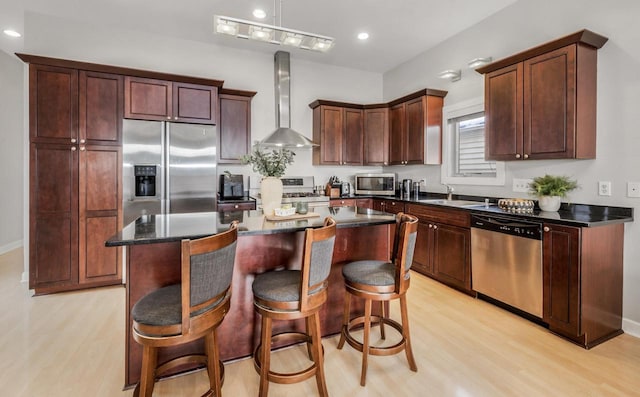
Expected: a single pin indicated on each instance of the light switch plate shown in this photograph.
(633, 189)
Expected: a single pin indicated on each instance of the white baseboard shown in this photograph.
(631, 327)
(10, 247)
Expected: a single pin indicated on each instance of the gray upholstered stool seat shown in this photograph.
(163, 307)
(279, 286)
(370, 272)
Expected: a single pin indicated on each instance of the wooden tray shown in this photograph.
(290, 217)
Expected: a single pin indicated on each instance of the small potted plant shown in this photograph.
(271, 165)
(550, 189)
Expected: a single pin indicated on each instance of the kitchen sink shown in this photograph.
(452, 203)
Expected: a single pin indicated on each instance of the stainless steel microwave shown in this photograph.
(376, 184)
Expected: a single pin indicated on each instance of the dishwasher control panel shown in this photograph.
(507, 225)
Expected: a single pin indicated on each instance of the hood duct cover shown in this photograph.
(284, 136)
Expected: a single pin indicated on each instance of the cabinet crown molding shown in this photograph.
(584, 37)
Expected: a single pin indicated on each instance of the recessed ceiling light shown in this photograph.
(258, 13)
(363, 35)
(11, 33)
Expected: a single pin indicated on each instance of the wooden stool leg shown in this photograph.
(309, 325)
(213, 366)
(365, 340)
(382, 315)
(265, 356)
(149, 363)
(318, 357)
(345, 319)
(406, 334)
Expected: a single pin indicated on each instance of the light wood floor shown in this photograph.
(72, 344)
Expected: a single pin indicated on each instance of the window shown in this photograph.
(463, 142)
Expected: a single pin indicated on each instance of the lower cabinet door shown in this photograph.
(452, 255)
(53, 218)
(422, 252)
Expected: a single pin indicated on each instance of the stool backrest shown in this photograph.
(316, 264)
(403, 247)
(207, 269)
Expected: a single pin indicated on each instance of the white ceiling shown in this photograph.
(399, 29)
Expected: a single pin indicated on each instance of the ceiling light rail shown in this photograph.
(244, 29)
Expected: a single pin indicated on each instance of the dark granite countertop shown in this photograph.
(571, 214)
(151, 229)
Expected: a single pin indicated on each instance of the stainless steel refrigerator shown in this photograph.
(168, 168)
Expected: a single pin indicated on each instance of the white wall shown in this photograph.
(11, 152)
(526, 24)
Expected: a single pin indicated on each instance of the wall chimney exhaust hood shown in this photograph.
(284, 136)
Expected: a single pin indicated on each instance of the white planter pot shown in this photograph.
(549, 203)
(270, 194)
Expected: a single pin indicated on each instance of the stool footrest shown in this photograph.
(357, 322)
(289, 377)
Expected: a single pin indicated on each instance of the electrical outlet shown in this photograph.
(521, 185)
(604, 188)
(633, 189)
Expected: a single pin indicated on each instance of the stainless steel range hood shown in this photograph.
(284, 136)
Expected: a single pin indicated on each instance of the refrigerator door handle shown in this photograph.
(166, 144)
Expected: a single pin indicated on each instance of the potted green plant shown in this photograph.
(271, 165)
(550, 189)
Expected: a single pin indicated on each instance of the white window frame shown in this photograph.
(471, 106)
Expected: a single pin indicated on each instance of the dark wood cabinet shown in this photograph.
(53, 213)
(582, 275)
(153, 99)
(235, 126)
(443, 246)
(541, 104)
(415, 130)
(239, 206)
(376, 136)
(75, 178)
(339, 132)
(364, 203)
(53, 104)
(342, 202)
(100, 108)
(100, 213)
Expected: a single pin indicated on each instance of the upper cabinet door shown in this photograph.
(416, 130)
(234, 128)
(101, 108)
(503, 113)
(549, 104)
(397, 134)
(328, 132)
(53, 104)
(352, 140)
(147, 99)
(376, 136)
(194, 103)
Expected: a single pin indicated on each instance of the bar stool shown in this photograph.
(181, 313)
(295, 294)
(381, 281)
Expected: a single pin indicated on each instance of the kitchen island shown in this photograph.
(153, 260)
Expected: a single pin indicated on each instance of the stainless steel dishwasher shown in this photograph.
(506, 261)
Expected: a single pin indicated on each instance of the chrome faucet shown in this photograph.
(449, 191)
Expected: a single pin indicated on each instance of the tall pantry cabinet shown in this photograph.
(75, 123)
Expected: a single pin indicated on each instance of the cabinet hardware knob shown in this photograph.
(546, 229)
(430, 226)
(168, 117)
(73, 148)
(82, 148)
(82, 141)
(435, 227)
(518, 155)
(526, 156)
(236, 206)
(385, 163)
(73, 140)
(175, 118)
